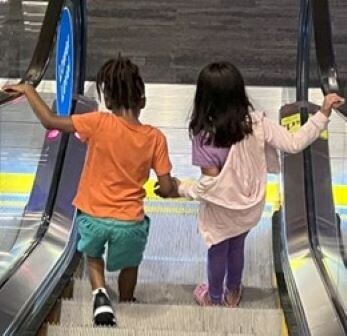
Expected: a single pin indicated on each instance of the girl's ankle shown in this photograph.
(232, 297)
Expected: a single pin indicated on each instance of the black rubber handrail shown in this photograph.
(303, 51)
(44, 47)
(328, 72)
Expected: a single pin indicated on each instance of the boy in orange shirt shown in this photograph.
(121, 153)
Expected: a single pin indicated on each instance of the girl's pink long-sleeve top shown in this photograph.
(232, 202)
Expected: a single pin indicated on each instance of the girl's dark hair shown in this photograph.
(221, 108)
(120, 82)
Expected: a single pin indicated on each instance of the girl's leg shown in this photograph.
(127, 281)
(96, 270)
(216, 269)
(235, 262)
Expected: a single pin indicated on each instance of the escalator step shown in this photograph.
(256, 298)
(181, 318)
(70, 331)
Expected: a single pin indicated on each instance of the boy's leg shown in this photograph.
(216, 268)
(125, 252)
(92, 243)
(127, 281)
(96, 270)
(102, 308)
(236, 262)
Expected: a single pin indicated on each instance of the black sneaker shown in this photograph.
(103, 314)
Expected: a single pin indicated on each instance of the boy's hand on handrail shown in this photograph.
(331, 100)
(17, 88)
(47, 117)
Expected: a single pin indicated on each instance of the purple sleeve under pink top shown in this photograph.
(206, 156)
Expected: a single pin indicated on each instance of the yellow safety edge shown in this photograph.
(14, 183)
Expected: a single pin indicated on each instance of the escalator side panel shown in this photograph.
(326, 234)
(39, 275)
(315, 312)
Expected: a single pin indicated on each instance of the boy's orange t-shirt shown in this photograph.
(117, 165)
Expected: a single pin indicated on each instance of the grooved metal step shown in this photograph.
(71, 331)
(256, 298)
(265, 322)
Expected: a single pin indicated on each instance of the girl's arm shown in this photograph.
(46, 116)
(192, 190)
(279, 137)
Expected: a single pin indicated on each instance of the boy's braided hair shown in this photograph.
(120, 82)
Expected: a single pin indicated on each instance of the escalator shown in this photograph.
(42, 263)
(37, 235)
(313, 250)
(169, 272)
(34, 280)
(328, 169)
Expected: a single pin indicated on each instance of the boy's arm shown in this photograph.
(166, 186)
(46, 116)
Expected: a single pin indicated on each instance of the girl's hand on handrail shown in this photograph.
(332, 100)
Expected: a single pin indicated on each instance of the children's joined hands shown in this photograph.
(173, 194)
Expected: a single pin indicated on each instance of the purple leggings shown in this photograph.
(225, 265)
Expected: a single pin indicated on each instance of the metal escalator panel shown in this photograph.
(37, 223)
(328, 229)
(337, 262)
(314, 313)
(330, 232)
(20, 147)
(28, 156)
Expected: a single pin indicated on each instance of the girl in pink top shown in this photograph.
(235, 148)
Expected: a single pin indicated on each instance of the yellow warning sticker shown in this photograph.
(292, 123)
(324, 135)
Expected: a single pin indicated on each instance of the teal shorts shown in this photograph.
(125, 240)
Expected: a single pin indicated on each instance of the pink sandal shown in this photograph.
(232, 298)
(200, 295)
